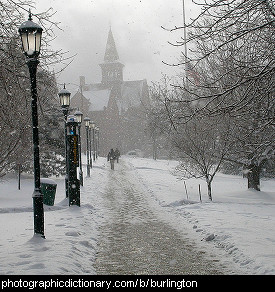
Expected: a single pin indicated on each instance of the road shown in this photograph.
(134, 240)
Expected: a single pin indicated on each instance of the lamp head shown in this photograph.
(30, 33)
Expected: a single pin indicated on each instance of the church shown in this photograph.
(117, 107)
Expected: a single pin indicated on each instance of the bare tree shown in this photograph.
(159, 122)
(200, 143)
(231, 71)
(15, 142)
(202, 146)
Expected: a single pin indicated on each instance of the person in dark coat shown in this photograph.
(111, 157)
(117, 154)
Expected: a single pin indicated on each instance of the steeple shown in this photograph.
(112, 69)
(111, 54)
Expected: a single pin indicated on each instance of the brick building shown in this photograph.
(118, 107)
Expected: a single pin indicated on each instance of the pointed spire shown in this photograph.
(111, 54)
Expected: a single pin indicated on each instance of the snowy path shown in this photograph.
(135, 241)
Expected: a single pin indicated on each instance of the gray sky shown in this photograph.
(136, 25)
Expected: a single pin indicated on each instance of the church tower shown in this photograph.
(112, 69)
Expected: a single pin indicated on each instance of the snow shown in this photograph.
(47, 181)
(98, 98)
(238, 225)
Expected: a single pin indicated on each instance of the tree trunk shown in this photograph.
(154, 147)
(19, 176)
(208, 180)
(209, 189)
(253, 177)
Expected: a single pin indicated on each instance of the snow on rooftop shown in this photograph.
(98, 98)
(131, 94)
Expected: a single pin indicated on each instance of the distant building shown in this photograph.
(116, 106)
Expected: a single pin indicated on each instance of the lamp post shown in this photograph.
(64, 96)
(87, 125)
(31, 33)
(93, 130)
(97, 146)
(73, 159)
(79, 115)
(90, 145)
(97, 141)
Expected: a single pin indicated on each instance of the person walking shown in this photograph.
(117, 154)
(111, 157)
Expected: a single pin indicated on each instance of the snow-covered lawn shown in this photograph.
(239, 221)
(239, 224)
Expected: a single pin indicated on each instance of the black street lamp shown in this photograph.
(92, 124)
(64, 96)
(31, 33)
(97, 142)
(79, 115)
(73, 159)
(87, 125)
(90, 145)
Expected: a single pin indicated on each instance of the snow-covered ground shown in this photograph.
(239, 224)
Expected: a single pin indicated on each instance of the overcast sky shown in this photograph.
(136, 25)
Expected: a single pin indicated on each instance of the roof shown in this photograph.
(98, 98)
(131, 94)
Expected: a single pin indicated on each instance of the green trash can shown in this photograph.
(48, 189)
